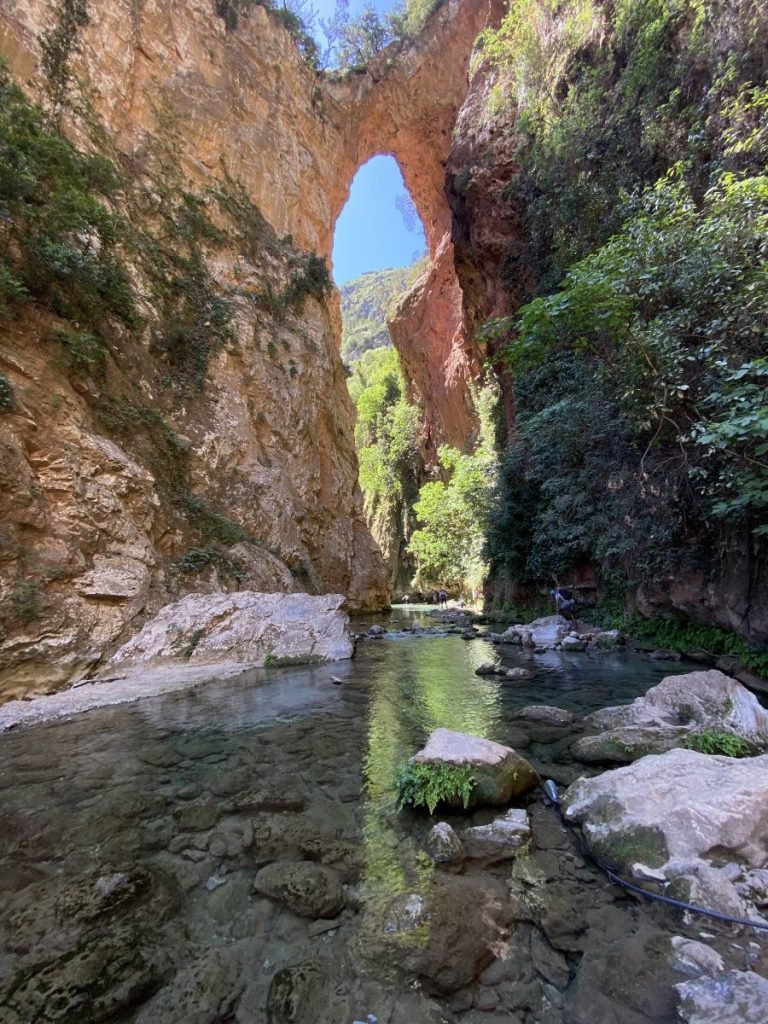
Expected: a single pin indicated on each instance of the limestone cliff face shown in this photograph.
(122, 491)
(98, 530)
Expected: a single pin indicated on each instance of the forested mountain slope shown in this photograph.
(365, 304)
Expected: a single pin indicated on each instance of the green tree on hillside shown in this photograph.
(449, 543)
(386, 433)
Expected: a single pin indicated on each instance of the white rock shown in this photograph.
(667, 812)
(518, 673)
(738, 997)
(500, 839)
(692, 957)
(700, 700)
(114, 577)
(244, 627)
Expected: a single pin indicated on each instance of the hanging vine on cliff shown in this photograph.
(58, 45)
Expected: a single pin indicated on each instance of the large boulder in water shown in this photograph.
(682, 817)
(244, 627)
(670, 713)
(500, 771)
(547, 631)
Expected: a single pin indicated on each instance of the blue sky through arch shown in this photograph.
(371, 233)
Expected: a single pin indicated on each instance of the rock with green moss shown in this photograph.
(623, 746)
(706, 711)
(499, 772)
(693, 819)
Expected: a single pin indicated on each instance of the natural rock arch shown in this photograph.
(406, 106)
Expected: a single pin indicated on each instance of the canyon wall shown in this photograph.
(720, 581)
(155, 469)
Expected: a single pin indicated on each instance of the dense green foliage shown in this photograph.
(365, 305)
(386, 434)
(610, 97)
(452, 513)
(640, 366)
(59, 241)
(643, 411)
(692, 637)
(713, 741)
(428, 783)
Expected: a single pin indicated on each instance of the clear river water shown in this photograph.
(130, 838)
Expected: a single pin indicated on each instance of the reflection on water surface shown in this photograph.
(130, 839)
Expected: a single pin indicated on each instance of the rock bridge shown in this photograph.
(247, 105)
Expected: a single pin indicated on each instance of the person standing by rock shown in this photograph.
(564, 602)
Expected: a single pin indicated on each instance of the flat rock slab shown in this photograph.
(500, 771)
(244, 626)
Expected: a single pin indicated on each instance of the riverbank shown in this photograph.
(114, 690)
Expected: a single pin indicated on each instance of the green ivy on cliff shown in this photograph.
(59, 239)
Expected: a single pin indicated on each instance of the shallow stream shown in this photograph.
(130, 838)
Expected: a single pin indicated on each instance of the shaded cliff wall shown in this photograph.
(504, 256)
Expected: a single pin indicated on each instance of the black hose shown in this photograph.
(551, 791)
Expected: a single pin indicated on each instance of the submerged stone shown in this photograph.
(445, 935)
(309, 890)
(545, 713)
(499, 840)
(443, 845)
